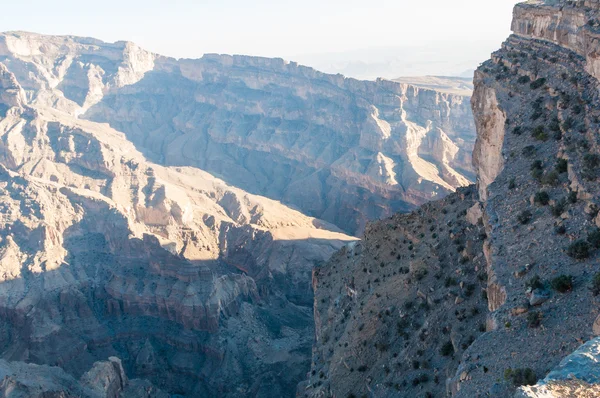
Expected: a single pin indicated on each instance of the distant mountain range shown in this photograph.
(437, 59)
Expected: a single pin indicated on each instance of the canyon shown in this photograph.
(161, 218)
(189, 227)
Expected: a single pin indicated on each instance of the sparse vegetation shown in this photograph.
(579, 250)
(447, 349)
(562, 283)
(542, 198)
(596, 284)
(520, 377)
(534, 319)
(537, 83)
(524, 217)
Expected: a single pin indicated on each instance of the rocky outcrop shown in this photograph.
(578, 375)
(534, 234)
(488, 159)
(106, 379)
(535, 105)
(395, 312)
(339, 149)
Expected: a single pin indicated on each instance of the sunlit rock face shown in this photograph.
(343, 150)
(199, 287)
(132, 223)
(340, 149)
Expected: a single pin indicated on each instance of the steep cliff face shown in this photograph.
(537, 158)
(395, 311)
(198, 286)
(343, 150)
(535, 105)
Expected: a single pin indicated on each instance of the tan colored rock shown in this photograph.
(101, 248)
(475, 214)
(489, 121)
(596, 326)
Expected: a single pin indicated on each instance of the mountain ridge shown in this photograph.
(366, 118)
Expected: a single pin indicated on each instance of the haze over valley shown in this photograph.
(417, 218)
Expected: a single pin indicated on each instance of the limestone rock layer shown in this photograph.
(343, 150)
(194, 286)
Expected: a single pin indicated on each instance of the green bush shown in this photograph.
(521, 377)
(524, 217)
(550, 178)
(590, 166)
(537, 169)
(591, 161)
(537, 174)
(537, 83)
(534, 319)
(562, 166)
(559, 208)
(568, 123)
(542, 198)
(554, 124)
(596, 284)
(523, 79)
(539, 134)
(528, 151)
(593, 238)
(447, 349)
(450, 282)
(420, 273)
(535, 283)
(563, 283)
(572, 197)
(579, 250)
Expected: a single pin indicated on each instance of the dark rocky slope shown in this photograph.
(537, 160)
(395, 312)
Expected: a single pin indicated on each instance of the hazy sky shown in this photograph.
(283, 28)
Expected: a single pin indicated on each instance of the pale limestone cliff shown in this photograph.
(488, 159)
(103, 253)
(343, 150)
